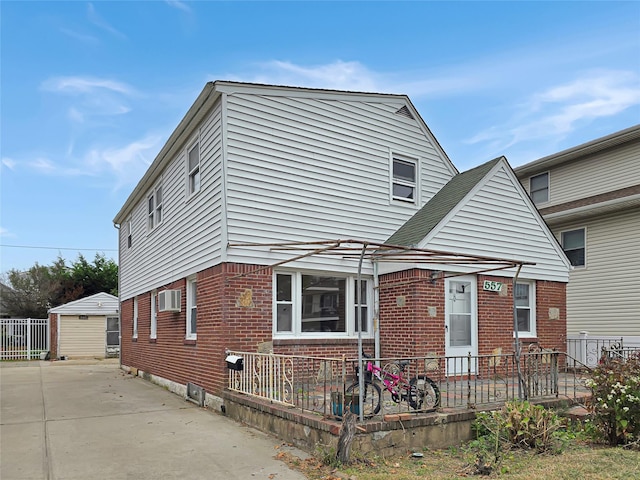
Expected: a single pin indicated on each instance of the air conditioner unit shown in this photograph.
(169, 301)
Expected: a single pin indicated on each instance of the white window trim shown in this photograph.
(135, 317)
(296, 305)
(192, 283)
(532, 332)
(194, 144)
(548, 187)
(416, 193)
(153, 327)
(584, 229)
(129, 233)
(152, 217)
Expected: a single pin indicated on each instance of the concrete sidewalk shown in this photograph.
(73, 420)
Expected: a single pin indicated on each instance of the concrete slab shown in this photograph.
(77, 421)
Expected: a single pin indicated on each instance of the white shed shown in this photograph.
(88, 327)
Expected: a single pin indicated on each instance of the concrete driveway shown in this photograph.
(68, 420)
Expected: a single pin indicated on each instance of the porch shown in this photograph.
(301, 399)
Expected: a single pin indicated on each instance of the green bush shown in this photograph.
(615, 384)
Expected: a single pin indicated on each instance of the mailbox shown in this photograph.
(234, 362)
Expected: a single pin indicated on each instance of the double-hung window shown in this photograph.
(404, 179)
(573, 244)
(154, 211)
(129, 233)
(192, 308)
(539, 188)
(135, 317)
(526, 309)
(319, 305)
(193, 158)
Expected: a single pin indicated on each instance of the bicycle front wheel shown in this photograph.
(425, 394)
(370, 399)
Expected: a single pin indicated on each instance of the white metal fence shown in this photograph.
(23, 338)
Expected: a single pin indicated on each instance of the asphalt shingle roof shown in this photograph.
(425, 219)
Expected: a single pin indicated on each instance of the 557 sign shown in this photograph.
(492, 286)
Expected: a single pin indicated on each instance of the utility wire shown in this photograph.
(62, 248)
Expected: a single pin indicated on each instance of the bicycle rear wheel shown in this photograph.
(370, 399)
(424, 394)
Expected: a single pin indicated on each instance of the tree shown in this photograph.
(35, 291)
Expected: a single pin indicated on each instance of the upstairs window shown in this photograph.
(404, 180)
(539, 188)
(154, 212)
(192, 309)
(129, 234)
(194, 168)
(573, 244)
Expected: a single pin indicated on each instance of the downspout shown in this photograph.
(117, 227)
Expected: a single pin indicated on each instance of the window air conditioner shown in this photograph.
(169, 301)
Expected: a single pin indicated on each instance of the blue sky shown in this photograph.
(91, 90)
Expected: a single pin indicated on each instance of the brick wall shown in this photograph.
(235, 313)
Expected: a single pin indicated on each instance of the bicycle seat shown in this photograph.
(404, 363)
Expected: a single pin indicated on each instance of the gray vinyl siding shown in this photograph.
(603, 298)
(498, 222)
(593, 175)
(307, 169)
(189, 238)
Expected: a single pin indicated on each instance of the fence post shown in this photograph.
(28, 339)
(583, 346)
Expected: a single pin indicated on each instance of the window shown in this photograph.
(539, 188)
(573, 244)
(319, 305)
(154, 212)
(193, 157)
(153, 330)
(135, 317)
(403, 185)
(192, 308)
(525, 309)
(129, 234)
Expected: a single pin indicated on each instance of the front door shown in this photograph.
(461, 324)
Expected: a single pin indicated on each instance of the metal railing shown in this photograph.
(587, 350)
(23, 338)
(481, 381)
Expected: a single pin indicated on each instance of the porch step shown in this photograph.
(577, 412)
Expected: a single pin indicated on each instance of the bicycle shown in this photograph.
(420, 393)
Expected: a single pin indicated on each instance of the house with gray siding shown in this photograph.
(210, 239)
(589, 195)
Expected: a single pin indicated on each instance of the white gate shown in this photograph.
(23, 338)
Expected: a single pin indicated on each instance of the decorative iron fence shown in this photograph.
(23, 338)
(320, 384)
(587, 351)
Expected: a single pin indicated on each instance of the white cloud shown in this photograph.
(559, 110)
(80, 36)
(98, 21)
(8, 162)
(85, 85)
(179, 5)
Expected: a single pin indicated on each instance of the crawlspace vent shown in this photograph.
(404, 111)
(195, 394)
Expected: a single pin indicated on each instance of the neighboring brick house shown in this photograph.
(256, 165)
(589, 196)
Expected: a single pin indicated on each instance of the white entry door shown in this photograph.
(461, 323)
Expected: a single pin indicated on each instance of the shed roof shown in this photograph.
(99, 304)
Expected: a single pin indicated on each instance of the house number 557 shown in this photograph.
(492, 286)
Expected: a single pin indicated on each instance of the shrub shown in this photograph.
(520, 424)
(615, 384)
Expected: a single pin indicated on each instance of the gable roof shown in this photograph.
(430, 215)
(98, 304)
(211, 94)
